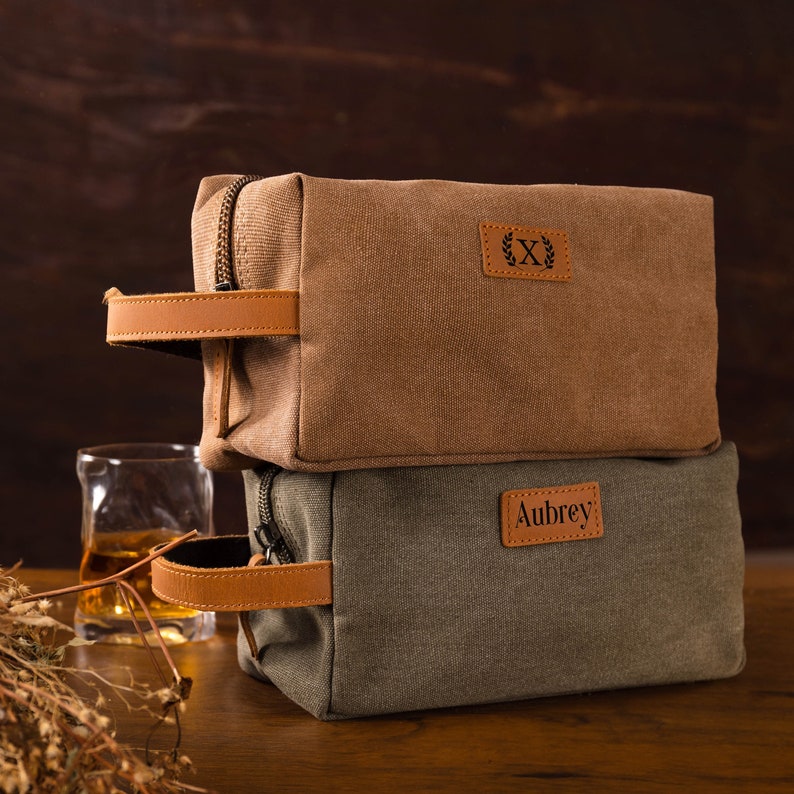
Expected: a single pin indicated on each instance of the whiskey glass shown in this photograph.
(137, 496)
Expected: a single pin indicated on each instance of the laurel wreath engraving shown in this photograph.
(549, 260)
(510, 258)
(507, 249)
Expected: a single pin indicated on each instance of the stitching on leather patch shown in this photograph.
(551, 515)
(528, 252)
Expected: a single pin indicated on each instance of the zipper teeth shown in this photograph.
(224, 275)
(264, 507)
(282, 552)
(265, 510)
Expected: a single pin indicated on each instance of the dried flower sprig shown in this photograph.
(54, 740)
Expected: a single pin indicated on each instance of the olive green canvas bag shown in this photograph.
(397, 589)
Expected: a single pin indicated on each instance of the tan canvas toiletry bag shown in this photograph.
(363, 324)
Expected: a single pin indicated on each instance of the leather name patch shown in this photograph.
(551, 515)
(525, 252)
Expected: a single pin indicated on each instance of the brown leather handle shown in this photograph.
(167, 320)
(212, 574)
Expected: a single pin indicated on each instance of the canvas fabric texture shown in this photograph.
(410, 353)
(431, 610)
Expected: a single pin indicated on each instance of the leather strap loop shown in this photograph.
(168, 319)
(212, 574)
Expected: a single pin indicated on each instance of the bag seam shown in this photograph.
(302, 185)
(388, 461)
(332, 528)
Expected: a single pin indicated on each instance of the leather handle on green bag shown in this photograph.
(175, 321)
(214, 574)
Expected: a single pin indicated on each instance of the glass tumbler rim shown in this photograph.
(139, 452)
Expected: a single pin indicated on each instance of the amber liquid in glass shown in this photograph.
(112, 552)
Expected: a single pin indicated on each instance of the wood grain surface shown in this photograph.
(111, 112)
(734, 735)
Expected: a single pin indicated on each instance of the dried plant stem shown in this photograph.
(52, 739)
(126, 586)
(124, 591)
(58, 703)
(116, 577)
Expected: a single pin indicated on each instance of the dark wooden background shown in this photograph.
(111, 112)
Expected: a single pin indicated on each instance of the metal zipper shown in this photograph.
(267, 532)
(224, 272)
(225, 282)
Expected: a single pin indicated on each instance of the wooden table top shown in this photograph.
(732, 735)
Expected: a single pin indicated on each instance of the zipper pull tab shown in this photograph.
(275, 548)
(267, 540)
